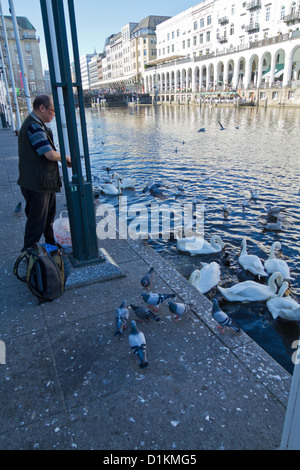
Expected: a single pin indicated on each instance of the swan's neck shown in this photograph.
(195, 277)
(272, 283)
(244, 248)
(214, 243)
(272, 252)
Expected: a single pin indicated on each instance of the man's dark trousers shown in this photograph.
(40, 210)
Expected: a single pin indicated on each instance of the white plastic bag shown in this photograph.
(61, 229)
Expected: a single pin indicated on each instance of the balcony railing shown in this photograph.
(251, 28)
(223, 20)
(255, 5)
(222, 39)
(292, 18)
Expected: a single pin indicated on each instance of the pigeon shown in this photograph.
(137, 343)
(144, 313)
(222, 318)
(177, 308)
(122, 314)
(146, 281)
(156, 299)
(222, 128)
(18, 209)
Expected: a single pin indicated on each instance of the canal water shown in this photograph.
(257, 151)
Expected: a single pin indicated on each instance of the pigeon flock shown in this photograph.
(137, 340)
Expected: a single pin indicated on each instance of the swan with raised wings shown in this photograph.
(284, 307)
(251, 290)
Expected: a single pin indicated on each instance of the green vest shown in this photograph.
(36, 173)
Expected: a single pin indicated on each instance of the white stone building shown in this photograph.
(84, 69)
(127, 53)
(30, 46)
(221, 44)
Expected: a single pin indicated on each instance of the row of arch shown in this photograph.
(264, 67)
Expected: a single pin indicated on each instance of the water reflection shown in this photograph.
(258, 150)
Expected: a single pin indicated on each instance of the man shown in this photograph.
(39, 177)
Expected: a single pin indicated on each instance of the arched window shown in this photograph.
(293, 8)
(282, 12)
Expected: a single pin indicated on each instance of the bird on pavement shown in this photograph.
(178, 309)
(137, 343)
(222, 318)
(153, 299)
(18, 210)
(146, 281)
(122, 315)
(144, 313)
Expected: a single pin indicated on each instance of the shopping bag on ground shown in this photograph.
(61, 229)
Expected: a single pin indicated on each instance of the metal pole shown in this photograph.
(290, 439)
(22, 65)
(79, 192)
(7, 91)
(11, 71)
(57, 78)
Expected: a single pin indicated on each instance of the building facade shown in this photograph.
(30, 51)
(221, 44)
(85, 71)
(127, 53)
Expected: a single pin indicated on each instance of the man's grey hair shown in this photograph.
(46, 100)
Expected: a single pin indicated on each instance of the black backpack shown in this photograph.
(45, 275)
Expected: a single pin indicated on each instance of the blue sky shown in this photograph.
(98, 19)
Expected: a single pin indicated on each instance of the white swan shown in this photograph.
(207, 278)
(110, 188)
(196, 245)
(126, 183)
(284, 307)
(251, 263)
(273, 264)
(252, 291)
